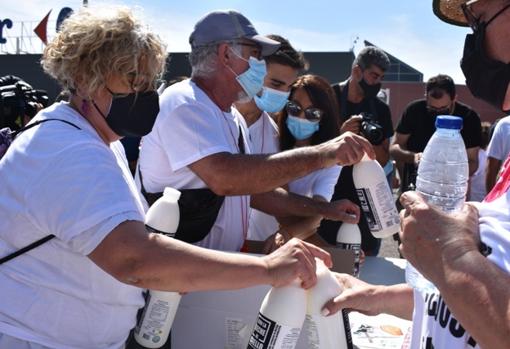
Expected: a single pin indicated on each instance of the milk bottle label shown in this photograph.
(153, 320)
(368, 208)
(327, 332)
(268, 334)
(356, 248)
(378, 218)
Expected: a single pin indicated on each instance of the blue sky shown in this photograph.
(405, 28)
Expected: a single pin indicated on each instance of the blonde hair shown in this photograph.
(96, 43)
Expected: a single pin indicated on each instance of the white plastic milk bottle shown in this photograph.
(158, 315)
(326, 332)
(280, 319)
(376, 198)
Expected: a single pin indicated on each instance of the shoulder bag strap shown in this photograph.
(48, 237)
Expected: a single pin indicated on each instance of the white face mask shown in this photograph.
(301, 128)
(252, 79)
(271, 100)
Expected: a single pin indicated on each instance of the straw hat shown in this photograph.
(450, 11)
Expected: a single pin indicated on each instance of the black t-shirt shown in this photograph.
(420, 126)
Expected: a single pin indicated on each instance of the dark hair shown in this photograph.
(322, 96)
(287, 55)
(438, 85)
(372, 55)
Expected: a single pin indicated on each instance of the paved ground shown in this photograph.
(389, 248)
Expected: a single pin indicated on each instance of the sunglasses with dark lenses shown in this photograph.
(311, 114)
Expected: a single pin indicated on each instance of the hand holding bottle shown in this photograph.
(341, 210)
(344, 150)
(295, 259)
(431, 237)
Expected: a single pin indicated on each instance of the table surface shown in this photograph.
(373, 332)
(224, 316)
(383, 271)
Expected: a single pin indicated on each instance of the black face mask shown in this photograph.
(486, 78)
(370, 91)
(132, 114)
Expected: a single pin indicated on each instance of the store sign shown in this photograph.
(7, 23)
(40, 29)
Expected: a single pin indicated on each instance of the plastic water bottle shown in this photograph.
(326, 332)
(280, 319)
(348, 237)
(376, 198)
(442, 179)
(158, 315)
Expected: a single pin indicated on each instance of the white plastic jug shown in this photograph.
(326, 332)
(376, 198)
(158, 315)
(163, 216)
(280, 319)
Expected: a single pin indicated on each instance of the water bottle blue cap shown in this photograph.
(449, 121)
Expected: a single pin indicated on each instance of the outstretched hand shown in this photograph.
(356, 295)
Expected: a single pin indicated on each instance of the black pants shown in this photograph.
(344, 189)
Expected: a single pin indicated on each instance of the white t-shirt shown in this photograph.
(59, 180)
(499, 146)
(440, 328)
(318, 183)
(264, 140)
(189, 127)
(477, 180)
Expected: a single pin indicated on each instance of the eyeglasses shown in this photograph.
(471, 19)
(257, 52)
(311, 114)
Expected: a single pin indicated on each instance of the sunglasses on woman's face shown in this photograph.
(311, 114)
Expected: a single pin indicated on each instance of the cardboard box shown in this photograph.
(225, 319)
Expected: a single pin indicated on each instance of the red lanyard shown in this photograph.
(502, 185)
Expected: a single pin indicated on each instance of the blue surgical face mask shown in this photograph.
(301, 128)
(271, 100)
(252, 79)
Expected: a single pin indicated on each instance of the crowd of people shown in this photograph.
(260, 150)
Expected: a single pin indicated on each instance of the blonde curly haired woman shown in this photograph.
(68, 179)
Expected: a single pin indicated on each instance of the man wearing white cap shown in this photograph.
(199, 145)
(466, 254)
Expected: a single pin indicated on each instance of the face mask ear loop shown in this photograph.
(496, 15)
(109, 108)
(97, 108)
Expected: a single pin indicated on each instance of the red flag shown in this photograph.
(41, 29)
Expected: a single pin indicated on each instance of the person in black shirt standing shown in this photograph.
(417, 125)
(363, 113)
